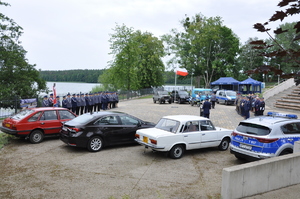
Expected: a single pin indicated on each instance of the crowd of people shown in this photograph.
(251, 102)
(84, 103)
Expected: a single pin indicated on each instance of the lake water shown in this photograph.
(63, 88)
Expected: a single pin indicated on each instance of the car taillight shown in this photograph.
(137, 136)
(75, 129)
(266, 140)
(153, 141)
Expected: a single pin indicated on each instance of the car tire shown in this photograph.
(176, 152)
(154, 101)
(160, 101)
(224, 144)
(179, 101)
(36, 136)
(285, 152)
(170, 101)
(95, 144)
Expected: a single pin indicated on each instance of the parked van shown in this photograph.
(226, 96)
(199, 94)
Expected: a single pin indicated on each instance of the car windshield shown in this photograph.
(231, 93)
(163, 92)
(168, 125)
(82, 119)
(22, 114)
(253, 129)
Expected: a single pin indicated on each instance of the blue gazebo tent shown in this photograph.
(227, 83)
(251, 85)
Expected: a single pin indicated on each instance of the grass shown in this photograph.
(4, 139)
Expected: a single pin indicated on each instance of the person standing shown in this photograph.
(51, 100)
(64, 102)
(261, 106)
(78, 104)
(213, 100)
(45, 101)
(74, 103)
(87, 103)
(206, 108)
(57, 104)
(83, 104)
(247, 108)
(69, 102)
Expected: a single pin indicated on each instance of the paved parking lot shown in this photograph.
(53, 170)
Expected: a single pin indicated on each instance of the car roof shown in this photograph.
(47, 108)
(185, 118)
(101, 113)
(269, 120)
(202, 89)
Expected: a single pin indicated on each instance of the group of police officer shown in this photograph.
(84, 103)
(245, 104)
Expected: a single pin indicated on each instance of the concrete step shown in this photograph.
(284, 106)
(288, 101)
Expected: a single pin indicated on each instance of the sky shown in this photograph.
(74, 34)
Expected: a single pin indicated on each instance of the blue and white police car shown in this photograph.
(265, 136)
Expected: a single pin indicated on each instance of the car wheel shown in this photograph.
(170, 101)
(95, 144)
(225, 102)
(36, 136)
(154, 101)
(160, 101)
(176, 152)
(179, 101)
(285, 152)
(224, 144)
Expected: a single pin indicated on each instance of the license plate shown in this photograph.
(247, 147)
(145, 139)
(7, 125)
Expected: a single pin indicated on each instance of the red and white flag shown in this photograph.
(182, 72)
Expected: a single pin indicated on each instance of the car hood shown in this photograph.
(153, 132)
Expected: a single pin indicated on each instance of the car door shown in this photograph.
(210, 137)
(130, 125)
(110, 127)
(49, 122)
(192, 135)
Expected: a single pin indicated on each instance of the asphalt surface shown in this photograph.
(53, 170)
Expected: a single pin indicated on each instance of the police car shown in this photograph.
(265, 137)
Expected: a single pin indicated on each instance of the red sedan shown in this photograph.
(35, 123)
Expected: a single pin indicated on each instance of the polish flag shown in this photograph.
(182, 72)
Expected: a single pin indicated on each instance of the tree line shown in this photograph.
(92, 75)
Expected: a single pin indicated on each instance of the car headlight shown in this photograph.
(229, 98)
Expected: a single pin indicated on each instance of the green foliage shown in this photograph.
(206, 48)
(17, 76)
(137, 60)
(4, 139)
(88, 76)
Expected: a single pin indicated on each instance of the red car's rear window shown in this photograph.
(22, 114)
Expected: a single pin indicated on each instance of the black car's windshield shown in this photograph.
(22, 114)
(167, 125)
(253, 129)
(82, 119)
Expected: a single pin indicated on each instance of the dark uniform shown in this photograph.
(82, 107)
(45, 101)
(64, 102)
(69, 102)
(206, 108)
(57, 103)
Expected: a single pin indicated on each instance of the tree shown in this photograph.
(290, 54)
(206, 48)
(137, 60)
(17, 76)
(248, 60)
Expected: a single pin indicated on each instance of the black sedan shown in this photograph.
(94, 131)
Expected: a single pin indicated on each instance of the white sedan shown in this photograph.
(177, 133)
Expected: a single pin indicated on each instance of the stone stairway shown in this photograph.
(288, 99)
